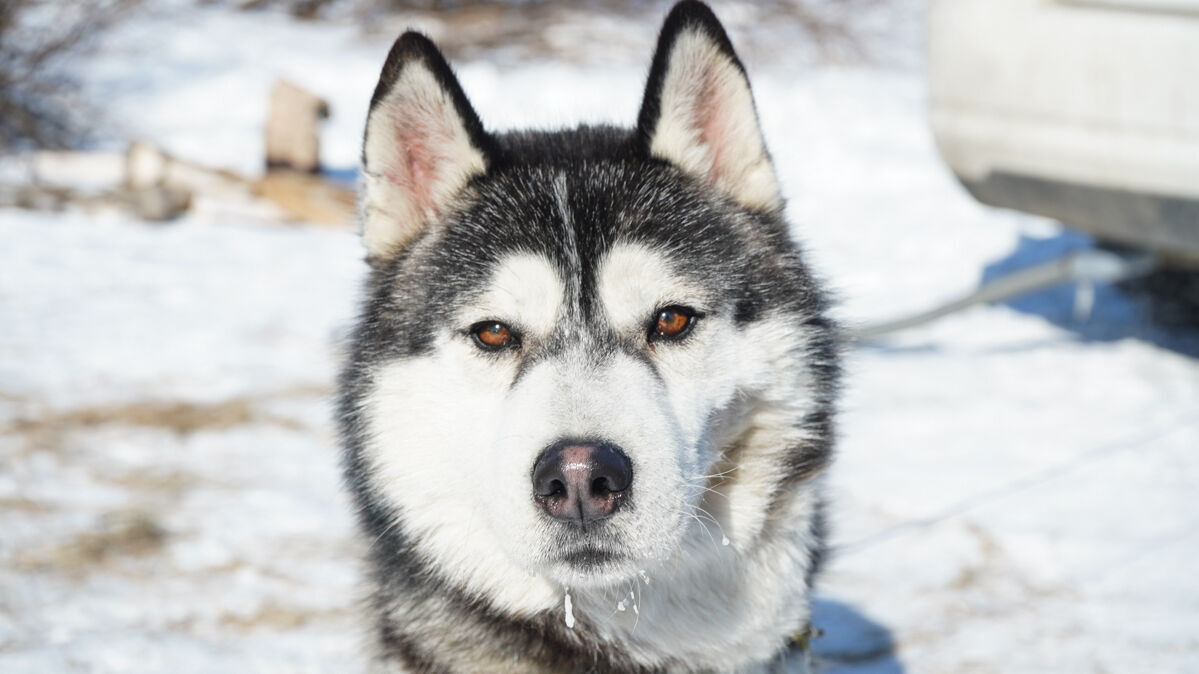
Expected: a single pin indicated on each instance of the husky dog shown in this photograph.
(590, 397)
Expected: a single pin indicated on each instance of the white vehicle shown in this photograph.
(1086, 111)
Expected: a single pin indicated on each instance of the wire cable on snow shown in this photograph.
(1086, 267)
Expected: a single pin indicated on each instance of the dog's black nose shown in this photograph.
(581, 482)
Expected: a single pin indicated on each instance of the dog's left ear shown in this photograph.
(698, 112)
(423, 144)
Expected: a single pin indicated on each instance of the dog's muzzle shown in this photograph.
(580, 483)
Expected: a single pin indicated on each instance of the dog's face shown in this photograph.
(573, 338)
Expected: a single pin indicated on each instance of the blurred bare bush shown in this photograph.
(834, 27)
(40, 101)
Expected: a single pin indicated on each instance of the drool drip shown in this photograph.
(570, 614)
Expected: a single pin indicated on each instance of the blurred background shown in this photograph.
(178, 264)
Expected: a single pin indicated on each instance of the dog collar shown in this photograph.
(802, 640)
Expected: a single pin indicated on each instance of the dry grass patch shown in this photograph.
(182, 417)
(120, 535)
(274, 616)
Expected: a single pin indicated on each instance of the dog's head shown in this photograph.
(583, 352)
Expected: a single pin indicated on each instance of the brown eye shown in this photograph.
(672, 323)
(492, 335)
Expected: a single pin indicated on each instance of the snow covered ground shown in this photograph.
(1014, 490)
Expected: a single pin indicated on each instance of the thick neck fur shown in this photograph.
(712, 606)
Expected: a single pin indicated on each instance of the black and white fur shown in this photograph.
(576, 239)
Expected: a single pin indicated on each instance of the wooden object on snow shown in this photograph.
(292, 128)
(160, 186)
(308, 198)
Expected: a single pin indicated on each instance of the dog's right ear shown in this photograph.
(423, 144)
(698, 112)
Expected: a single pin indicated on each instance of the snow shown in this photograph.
(1013, 490)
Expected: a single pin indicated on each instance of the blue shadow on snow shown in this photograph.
(346, 176)
(851, 643)
(1114, 315)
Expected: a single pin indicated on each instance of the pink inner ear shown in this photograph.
(709, 114)
(421, 151)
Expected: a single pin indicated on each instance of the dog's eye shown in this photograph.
(673, 322)
(492, 335)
